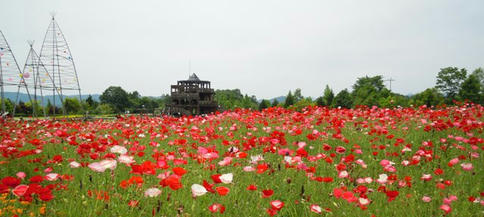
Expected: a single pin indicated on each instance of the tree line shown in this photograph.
(114, 100)
(453, 85)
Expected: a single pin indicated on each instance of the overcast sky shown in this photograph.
(264, 48)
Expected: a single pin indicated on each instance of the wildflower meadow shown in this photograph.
(275, 162)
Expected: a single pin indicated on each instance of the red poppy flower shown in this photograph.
(267, 193)
(391, 195)
(179, 171)
(216, 178)
(222, 191)
(252, 188)
(261, 168)
(11, 181)
(172, 181)
(208, 186)
(271, 211)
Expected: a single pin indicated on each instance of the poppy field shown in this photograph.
(275, 162)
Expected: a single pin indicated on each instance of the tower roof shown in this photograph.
(193, 77)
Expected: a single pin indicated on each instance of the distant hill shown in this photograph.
(279, 99)
(25, 98)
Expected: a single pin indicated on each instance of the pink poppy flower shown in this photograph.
(52, 177)
(277, 204)
(315, 208)
(226, 178)
(216, 207)
(249, 169)
(426, 177)
(343, 174)
(21, 175)
(20, 190)
(74, 164)
(453, 162)
(446, 208)
(152, 192)
(426, 199)
(198, 190)
(382, 178)
(363, 201)
(467, 166)
(118, 150)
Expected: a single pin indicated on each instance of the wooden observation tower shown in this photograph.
(192, 97)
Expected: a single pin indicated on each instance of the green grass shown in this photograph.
(287, 183)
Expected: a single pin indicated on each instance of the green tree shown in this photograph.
(429, 97)
(328, 96)
(274, 103)
(135, 101)
(231, 99)
(320, 101)
(49, 108)
(34, 106)
(148, 103)
(23, 108)
(449, 81)
(289, 100)
(72, 105)
(479, 73)
(116, 97)
(8, 106)
(301, 104)
(104, 109)
(369, 90)
(91, 103)
(470, 89)
(264, 104)
(343, 99)
(297, 95)
(164, 101)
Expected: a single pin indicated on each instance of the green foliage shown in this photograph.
(297, 95)
(320, 101)
(104, 109)
(36, 107)
(91, 104)
(471, 89)
(72, 105)
(393, 100)
(343, 99)
(479, 73)
(368, 91)
(8, 105)
(449, 81)
(164, 100)
(231, 99)
(23, 108)
(117, 98)
(51, 109)
(328, 96)
(274, 103)
(289, 100)
(429, 97)
(264, 104)
(303, 103)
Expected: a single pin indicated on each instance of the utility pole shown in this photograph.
(390, 81)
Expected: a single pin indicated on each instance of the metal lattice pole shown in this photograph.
(56, 56)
